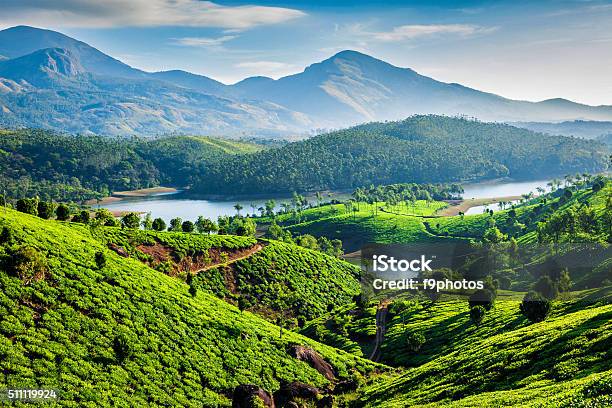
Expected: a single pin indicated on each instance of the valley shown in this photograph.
(172, 240)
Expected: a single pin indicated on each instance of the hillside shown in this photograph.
(419, 149)
(60, 166)
(123, 333)
(271, 278)
(578, 128)
(507, 361)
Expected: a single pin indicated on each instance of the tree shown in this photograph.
(82, 217)
(6, 236)
(565, 282)
(27, 205)
(494, 236)
(159, 224)
(243, 303)
(176, 225)
(187, 226)
(106, 218)
(205, 225)
(269, 206)
(147, 223)
(414, 340)
(193, 289)
(62, 212)
(46, 209)
(130, 220)
(482, 297)
(307, 241)
(477, 314)
(535, 307)
(546, 287)
(238, 207)
(243, 226)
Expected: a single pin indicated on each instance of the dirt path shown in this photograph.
(382, 209)
(457, 206)
(381, 320)
(243, 255)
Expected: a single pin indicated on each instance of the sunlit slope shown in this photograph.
(367, 225)
(272, 278)
(124, 333)
(505, 362)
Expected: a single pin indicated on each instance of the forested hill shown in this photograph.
(418, 149)
(65, 167)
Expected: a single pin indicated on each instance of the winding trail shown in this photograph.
(381, 320)
(243, 255)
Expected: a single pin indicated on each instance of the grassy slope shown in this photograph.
(397, 227)
(473, 225)
(363, 227)
(228, 146)
(279, 279)
(127, 334)
(556, 357)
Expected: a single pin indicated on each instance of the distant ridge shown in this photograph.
(348, 88)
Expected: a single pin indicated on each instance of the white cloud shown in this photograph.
(203, 41)
(412, 32)
(141, 13)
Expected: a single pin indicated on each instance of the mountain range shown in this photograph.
(50, 80)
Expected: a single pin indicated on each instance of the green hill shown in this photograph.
(65, 167)
(419, 149)
(564, 361)
(365, 225)
(109, 330)
(272, 278)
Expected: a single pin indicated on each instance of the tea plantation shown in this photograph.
(108, 330)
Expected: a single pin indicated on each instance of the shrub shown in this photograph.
(6, 236)
(187, 226)
(46, 209)
(62, 212)
(414, 341)
(123, 344)
(477, 314)
(28, 205)
(482, 297)
(535, 307)
(130, 220)
(100, 260)
(546, 287)
(159, 224)
(28, 264)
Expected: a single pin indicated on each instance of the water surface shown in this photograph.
(168, 206)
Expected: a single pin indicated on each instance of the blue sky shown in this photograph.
(530, 50)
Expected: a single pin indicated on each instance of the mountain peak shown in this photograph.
(351, 54)
(20, 41)
(40, 66)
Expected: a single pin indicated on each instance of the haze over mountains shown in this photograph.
(53, 81)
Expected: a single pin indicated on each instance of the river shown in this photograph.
(168, 206)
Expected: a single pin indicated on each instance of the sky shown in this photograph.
(528, 50)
